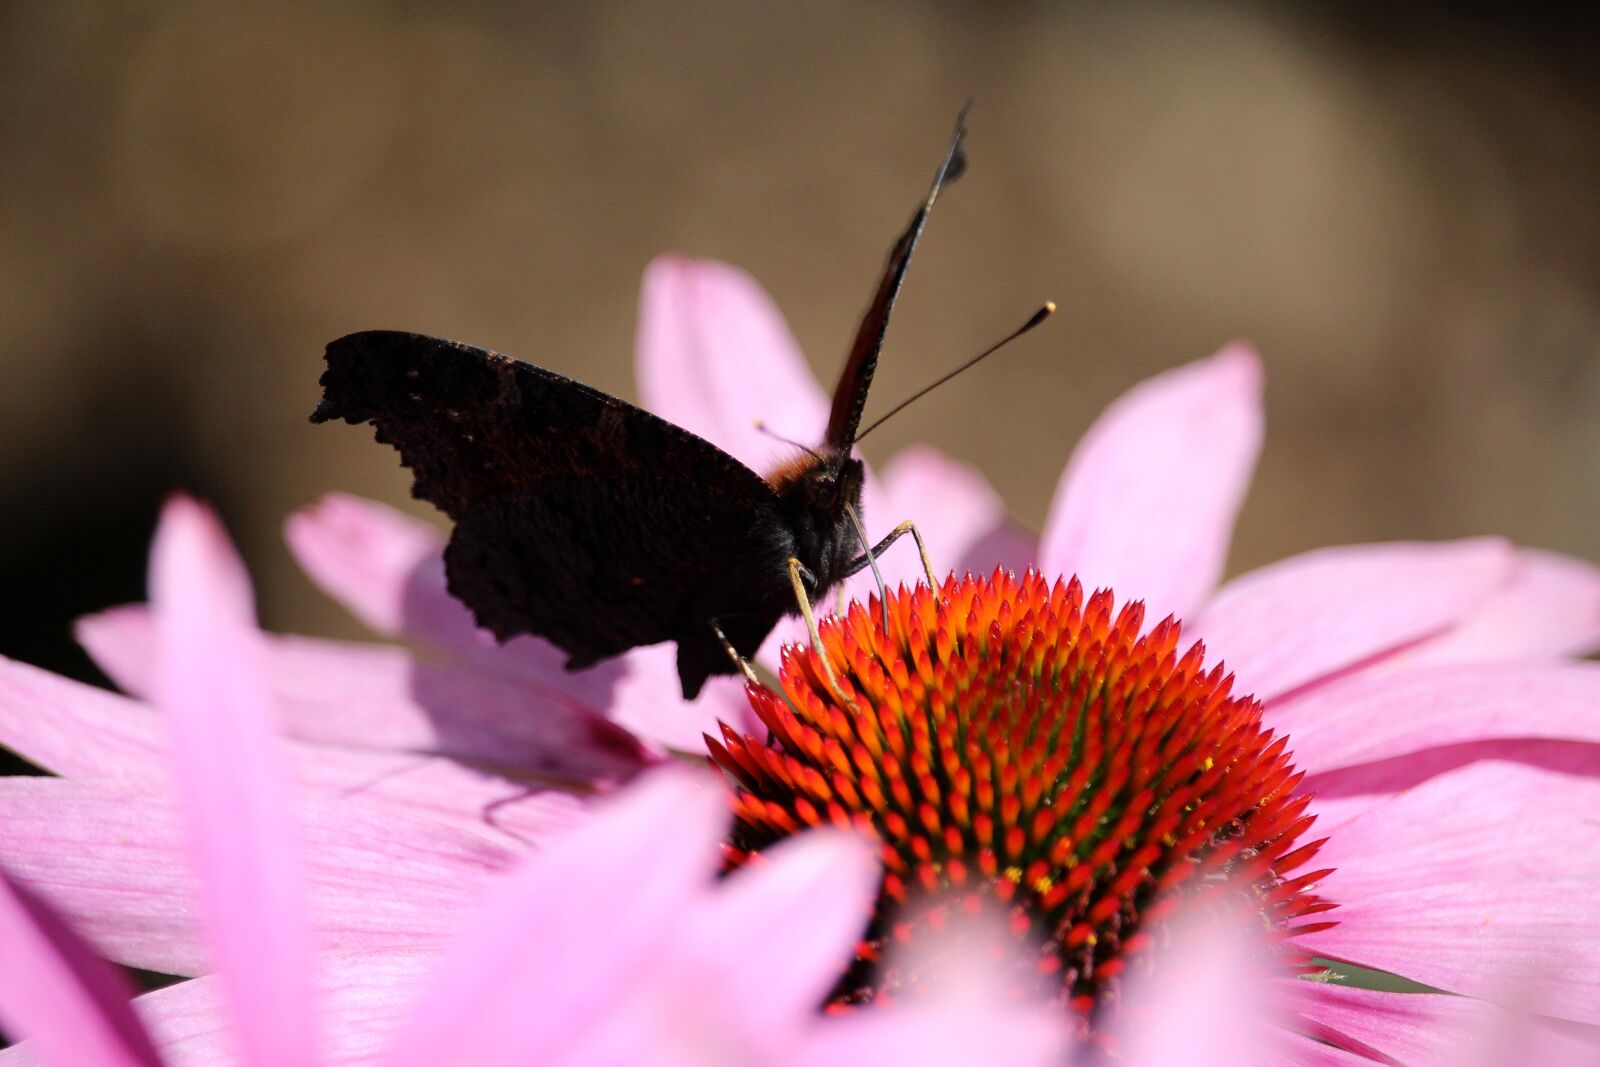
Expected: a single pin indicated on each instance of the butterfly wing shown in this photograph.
(850, 394)
(579, 517)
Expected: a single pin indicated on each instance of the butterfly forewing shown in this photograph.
(579, 516)
(850, 394)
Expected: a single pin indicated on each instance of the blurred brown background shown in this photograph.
(195, 197)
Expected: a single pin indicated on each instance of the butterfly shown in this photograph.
(599, 526)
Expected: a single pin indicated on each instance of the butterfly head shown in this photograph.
(833, 483)
(818, 491)
(822, 481)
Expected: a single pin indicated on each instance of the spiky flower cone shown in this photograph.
(1010, 743)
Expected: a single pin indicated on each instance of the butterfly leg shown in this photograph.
(872, 561)
(739, 661)
(797, 576)
(907, 527)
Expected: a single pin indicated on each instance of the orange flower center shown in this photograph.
(1011, 744)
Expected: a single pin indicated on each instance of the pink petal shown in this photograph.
(1489, 821)
(1415, 1027)
(649, 702)
(111, 858)
(778, 935)
(363, 553)
(1203, 1002)
(517, 813)
(1550, 608)
(212, 685)
(1301, 1051)
(1366, 719)
(960, 515)
(958, 1033)
(83, 732)
(967, 1014)
(366, 996)
(747, 968)
(1147, 503)
(1306, 618)
(388, 570)
(1409, 1027)
(70, 1004)
(77, 730)
(1346, 792)
(571, 929)
(381, 697)
(1466, 937)
(713, 355)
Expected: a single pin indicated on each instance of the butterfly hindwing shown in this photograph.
(579, 517)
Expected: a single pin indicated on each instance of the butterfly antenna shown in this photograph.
(763, 428)
(1038, 317)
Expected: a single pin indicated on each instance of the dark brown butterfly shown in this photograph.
(597, 525)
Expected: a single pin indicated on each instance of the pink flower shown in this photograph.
(614, 946)
(1427, 689)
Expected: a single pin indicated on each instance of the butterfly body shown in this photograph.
(597, 525)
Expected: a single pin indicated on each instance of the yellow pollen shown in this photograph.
(1013, 874)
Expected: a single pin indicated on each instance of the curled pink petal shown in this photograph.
(213, 689)
(1147, 503)
(568, 931)
(71, 1005)
(714, 355)
(1313, 616)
